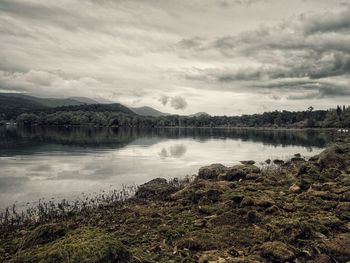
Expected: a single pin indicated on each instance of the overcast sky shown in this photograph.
(180, 56)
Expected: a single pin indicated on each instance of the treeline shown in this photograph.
(73, 115)
(12, 109)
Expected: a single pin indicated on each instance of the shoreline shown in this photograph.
(244, 213)
(262, 128)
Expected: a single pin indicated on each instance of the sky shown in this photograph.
(223, 57)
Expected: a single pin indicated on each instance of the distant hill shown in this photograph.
(148, 111)
(115, 107)
(17, 102)
(199, 114)
(85, 100)
(46, 102)
(13, 104)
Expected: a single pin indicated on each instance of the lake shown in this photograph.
(56, 162)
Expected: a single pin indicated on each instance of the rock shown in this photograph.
(294, 189)
(298, 155)
(277, 251)
(233, 174)
(250, 162)
(297, 159)
(339, 247)
(264, 201)
(155, 189)
(268, 161)
(249, 169)
(333, 157)
(211, 172)
(247, 201)
(278, 162)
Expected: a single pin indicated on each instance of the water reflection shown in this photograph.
(175, 151)
(63, 162)
(24, 140)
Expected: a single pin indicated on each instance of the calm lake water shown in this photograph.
(57, 163)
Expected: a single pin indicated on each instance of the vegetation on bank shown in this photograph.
(294, 211)
(116, 115)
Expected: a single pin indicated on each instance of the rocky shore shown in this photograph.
(294, 211)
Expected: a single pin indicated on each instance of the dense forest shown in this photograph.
(119, 115)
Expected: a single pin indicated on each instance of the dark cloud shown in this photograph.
(178, 103)
(328, 22)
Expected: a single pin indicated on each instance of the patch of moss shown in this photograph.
(43, 234)
(81, 245)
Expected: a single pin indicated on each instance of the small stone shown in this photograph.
(294, 189)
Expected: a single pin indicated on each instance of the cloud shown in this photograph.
(329, 22)
(164, 99)
(178, 103)
(138, 49)
(306, 54)
(226, 3)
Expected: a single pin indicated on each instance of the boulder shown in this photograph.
(157, 188)
(233, 174)
(277, 251)
(211, 172)
(333, 157)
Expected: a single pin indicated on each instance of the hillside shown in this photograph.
(13, 105)
(199, 114)
(148, 111)
(115, 107)
(46, 102)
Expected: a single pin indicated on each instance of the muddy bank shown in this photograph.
(294, 211)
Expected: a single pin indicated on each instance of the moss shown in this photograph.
(43, 234)
(81, 245)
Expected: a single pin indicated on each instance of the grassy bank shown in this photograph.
(295, 211)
